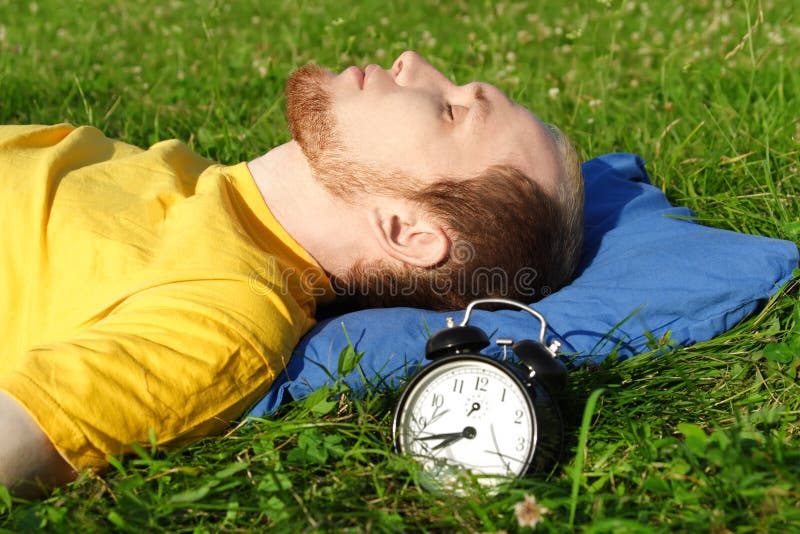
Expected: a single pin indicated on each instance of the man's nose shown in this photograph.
(412, 69)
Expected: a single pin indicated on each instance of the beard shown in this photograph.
(312, 124)
(309, 112)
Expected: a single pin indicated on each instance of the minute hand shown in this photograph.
(448, 435)
(449, 438)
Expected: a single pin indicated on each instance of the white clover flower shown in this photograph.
(529, 513)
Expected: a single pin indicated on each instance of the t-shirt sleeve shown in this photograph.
(170, 362)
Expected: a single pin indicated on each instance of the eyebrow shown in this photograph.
(483, 103)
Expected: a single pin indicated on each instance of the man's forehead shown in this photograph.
(527, 143)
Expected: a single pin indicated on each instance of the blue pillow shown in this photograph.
(646, 270)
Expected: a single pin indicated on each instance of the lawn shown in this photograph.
(704, 438)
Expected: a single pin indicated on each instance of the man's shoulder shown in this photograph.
(38, 133)
(79, 145)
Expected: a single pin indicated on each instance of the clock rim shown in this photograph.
(527, 390)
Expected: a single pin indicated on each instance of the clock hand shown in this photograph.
(475, 407)
(449, 438)
(497, 448)
(448, 435)
(447, 442)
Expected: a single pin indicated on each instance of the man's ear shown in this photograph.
(404, 233)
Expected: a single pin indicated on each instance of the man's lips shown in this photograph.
(358, 74)
(361, 76)
(368, 70)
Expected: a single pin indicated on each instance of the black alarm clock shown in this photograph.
(496, 418)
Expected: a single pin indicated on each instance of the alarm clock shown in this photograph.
(497, 418)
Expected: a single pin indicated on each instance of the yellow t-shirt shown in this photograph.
(140, 290)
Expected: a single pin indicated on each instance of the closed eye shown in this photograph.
(454, 113)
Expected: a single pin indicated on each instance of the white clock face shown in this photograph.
(472, 414)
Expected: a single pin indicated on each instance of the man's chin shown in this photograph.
(308, 109)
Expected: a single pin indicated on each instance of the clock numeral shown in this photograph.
(518, 417)
(503, 396)
(458, 385)
(422, 422)
(438, 400)
(480, 383)
(520, 444)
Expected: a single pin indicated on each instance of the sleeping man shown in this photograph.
(152, 294)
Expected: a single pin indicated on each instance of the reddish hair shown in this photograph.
(509, 239)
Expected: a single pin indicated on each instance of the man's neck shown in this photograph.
(327, 228)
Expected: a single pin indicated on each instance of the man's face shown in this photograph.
(411, 120)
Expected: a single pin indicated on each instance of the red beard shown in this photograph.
(312, 124)
(309, 113)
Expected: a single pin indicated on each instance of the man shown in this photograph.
(153, 293)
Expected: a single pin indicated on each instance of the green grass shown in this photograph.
(703, 438)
